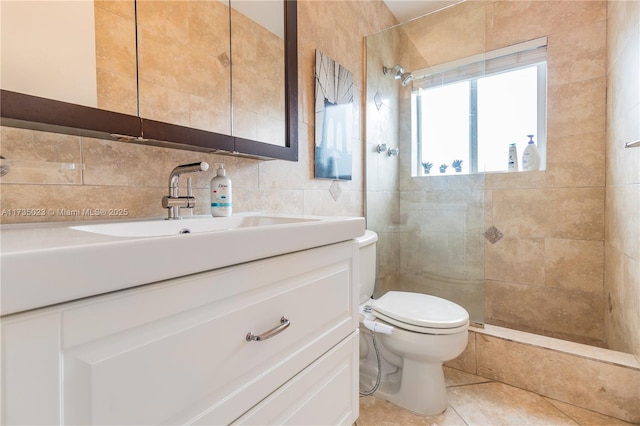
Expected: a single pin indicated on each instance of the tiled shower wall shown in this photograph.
(622, 209)
(120, 175)
(546, 273)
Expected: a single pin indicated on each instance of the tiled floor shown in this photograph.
(474, 400)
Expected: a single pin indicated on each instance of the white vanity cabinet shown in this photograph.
(176, 352)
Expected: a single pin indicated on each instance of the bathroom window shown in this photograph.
(466, 114)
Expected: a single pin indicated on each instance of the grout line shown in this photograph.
(558, 409)
(546, 398)
(458, 414)
(475, 383)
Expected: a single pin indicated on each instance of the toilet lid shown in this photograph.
(421, 310)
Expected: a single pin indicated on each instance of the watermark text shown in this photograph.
(84, 212)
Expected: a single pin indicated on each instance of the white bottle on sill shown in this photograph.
(531, 156)
(513, 158)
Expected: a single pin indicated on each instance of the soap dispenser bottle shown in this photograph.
(531, 156)
(221, 193)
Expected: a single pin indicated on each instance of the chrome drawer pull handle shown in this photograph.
(284, 323)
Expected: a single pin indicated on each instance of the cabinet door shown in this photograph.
(184, 63)
(258, 46)
(81, 52)
(30, 374)
(186, 66)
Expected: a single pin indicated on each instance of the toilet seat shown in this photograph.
(421, 313)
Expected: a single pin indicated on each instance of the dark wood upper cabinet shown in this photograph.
(160, 73)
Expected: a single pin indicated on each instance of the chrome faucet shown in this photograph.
(174, 202)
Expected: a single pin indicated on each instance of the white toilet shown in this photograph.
(426, 331)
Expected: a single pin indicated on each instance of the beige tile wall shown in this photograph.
(551, 259)
(122, 175)
(546, 274)
(553, 221)
(622, 209)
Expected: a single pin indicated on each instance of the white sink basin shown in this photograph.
(48, 263)
(159, 227)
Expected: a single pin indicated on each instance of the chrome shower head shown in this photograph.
(406, 78)
(395, 72)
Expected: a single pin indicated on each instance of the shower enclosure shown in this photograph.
(522, 250)
(430, 228)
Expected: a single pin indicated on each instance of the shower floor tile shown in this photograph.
(475, 400)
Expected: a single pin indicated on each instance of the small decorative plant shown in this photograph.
(443, 168)
(427, 167)
(457, 165)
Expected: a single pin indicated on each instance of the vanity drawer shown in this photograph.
(321, 394)
(178, 351)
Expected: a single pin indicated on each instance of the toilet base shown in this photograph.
(422, 389)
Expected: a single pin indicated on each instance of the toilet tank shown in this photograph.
(367, 264)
